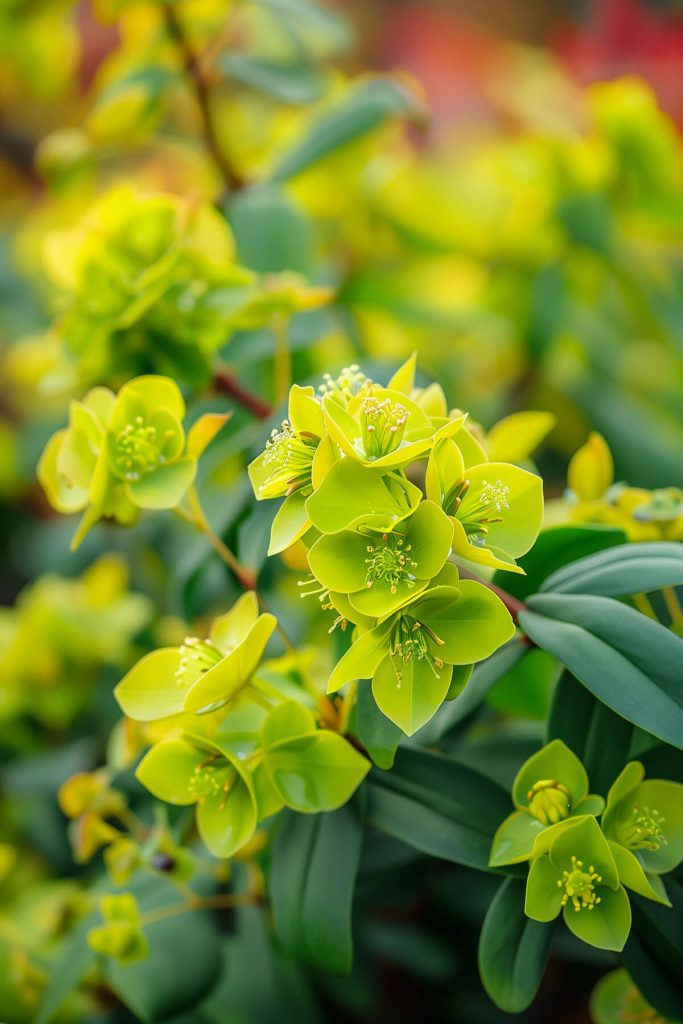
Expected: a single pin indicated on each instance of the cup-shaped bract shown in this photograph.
(186, 770)
(549, 791)
(119, 454)
(578, 877)
(645, 816)
(410, 654)
(496, 507)
(380, 571)
(200, 674)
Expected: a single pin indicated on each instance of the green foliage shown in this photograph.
(216, 795)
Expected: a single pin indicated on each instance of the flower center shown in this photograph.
(579, 886)
(382, 424)
(345, 386)
(196, 657)
(211, 777)
(549, 801)
(289, 454)
(409, 640)
(645, 830)
(477, 516)
(138, 449)
(390, 562)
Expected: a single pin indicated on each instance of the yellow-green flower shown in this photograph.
(202, 673)
(119, 454)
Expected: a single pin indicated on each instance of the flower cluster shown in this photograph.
(123, 453)
(582, 867)
(380, 548)
(146, 276)
(232, 736)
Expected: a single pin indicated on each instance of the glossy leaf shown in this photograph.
(513, 950)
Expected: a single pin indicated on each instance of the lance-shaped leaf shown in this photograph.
(598, 640)
(513, 950)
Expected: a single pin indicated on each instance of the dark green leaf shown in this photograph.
(67, 970)
(313, 876)
(438, 806)
(513, 949)
(156, 988)
(654, 952)
(627, 660)
(556, 547)
(365, 108)
(623, 570)
(598, 737)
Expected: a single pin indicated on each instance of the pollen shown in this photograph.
(477, 514)
(211, 778)
(289, 457)
(390, 562)
(196, 657)
(645, 830)
(549, 801)
(349, 382)
(138, 449)
(382, 425)
(579, 886)
(410, 640)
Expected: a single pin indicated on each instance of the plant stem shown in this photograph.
(244, 577)
(223, 901)
(198, 82)
(226, 384)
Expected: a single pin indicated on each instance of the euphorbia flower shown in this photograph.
(496, 508)
(382, 571)
(200, 674)
(192, 770)
(550, 789)
(410, 655)
(578, 876)
(293, 461)
(119, 454)
(643, 821)
(382, 428)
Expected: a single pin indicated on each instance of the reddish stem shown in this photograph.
(226, 384)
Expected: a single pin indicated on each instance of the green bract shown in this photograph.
(578, 875)
(549, 790)
(292, 458)
(200, 674)
(119, 454)
(645, 818)
(312, 770)
(381, 571)
(496, 508)
(121, 935)
(410, 654)
(188, 770)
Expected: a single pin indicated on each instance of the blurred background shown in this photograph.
(499, 187)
